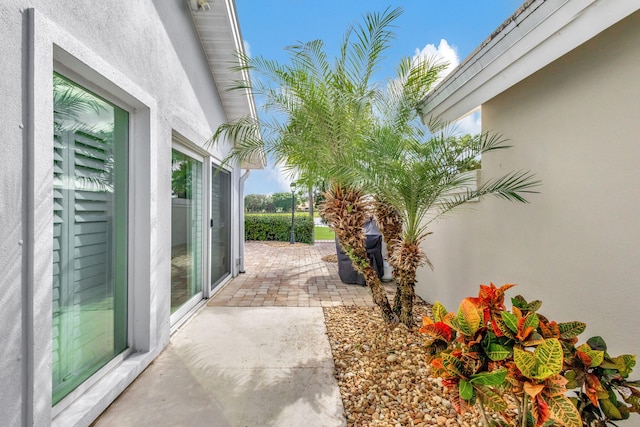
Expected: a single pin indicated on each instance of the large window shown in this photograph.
(90, 234)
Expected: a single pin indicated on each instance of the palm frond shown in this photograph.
(513, 186)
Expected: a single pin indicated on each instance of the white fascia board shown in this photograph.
(219, 32)
(259, 161)
(544, 32)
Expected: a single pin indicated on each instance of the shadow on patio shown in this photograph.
(256, 355)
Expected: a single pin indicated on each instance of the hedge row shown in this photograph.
(278, 228)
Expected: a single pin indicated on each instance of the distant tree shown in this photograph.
(281, 201)
(268, 204)
(256, 202)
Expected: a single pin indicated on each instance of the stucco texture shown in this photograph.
(146, 57)
(576, 245)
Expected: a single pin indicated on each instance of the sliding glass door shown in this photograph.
(220, 226)
(186, 232)
(90, 191)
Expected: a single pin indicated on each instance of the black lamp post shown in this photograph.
(293, 197)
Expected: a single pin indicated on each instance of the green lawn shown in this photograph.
(324, 233)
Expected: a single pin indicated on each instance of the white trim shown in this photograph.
(90, 382)
(545, 31)
(233, 195)
(186, 310)
(50, 43)
(220, 49)
(180, 321)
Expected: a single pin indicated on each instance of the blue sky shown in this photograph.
(270, 25)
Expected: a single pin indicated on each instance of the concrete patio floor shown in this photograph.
(256, 355)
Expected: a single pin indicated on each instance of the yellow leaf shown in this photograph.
(525, 361)
(549, 355)
(468, 317)
(563, 411)
(438, 311)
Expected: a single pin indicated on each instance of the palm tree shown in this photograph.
(318, 112)
(418, 177)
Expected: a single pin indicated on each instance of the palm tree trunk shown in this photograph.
(406, 292)
(390, 223)
(346, 211)
(408, 257)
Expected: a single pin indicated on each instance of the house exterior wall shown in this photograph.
(575, 246)
(122, 50)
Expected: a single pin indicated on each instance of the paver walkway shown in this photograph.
(257, 355)
(290, 276)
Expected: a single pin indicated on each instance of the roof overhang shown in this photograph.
(216, 22)
(539, 32)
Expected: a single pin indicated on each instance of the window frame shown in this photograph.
(184, 146)
(85, 385)
(52, 48)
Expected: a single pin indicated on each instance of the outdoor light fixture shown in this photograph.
(293, 197)
(197, 5)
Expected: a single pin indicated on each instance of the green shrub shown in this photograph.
(274, 227)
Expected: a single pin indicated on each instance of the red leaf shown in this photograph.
(540, 410)
(584, 358)
(495, 327)
(438, 330)
(593, 386)
(523, 334)
(444, 330)
(487, 315)
(437, 363)
(550, 329)
(450, 382)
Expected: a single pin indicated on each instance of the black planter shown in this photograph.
(346, 271)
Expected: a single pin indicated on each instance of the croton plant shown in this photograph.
(497, 358)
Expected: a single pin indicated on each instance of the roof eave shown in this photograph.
(540, 32)
(219, 32)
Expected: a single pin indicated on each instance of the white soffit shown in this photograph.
(540, 32)
(221, 40)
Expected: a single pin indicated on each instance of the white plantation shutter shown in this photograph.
(82, 282)
(90, 223)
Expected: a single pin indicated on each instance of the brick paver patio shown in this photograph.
(290, 276)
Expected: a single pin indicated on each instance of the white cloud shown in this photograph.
(444, 53)
(280, 177)
(470, 124)
(247, 48)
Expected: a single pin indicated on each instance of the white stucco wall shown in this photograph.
(123, 50)
(11, 205)
(575, 124)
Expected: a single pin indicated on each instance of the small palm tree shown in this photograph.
(320, 111)
(418, 177)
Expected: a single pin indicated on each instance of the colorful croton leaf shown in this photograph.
(523, 305)
(605, 394)
(439, 312)
(485, 351)
(521, 327)
(544, 362)
(563, 411)
(490, 301)
(437, 330)
(468, 319)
